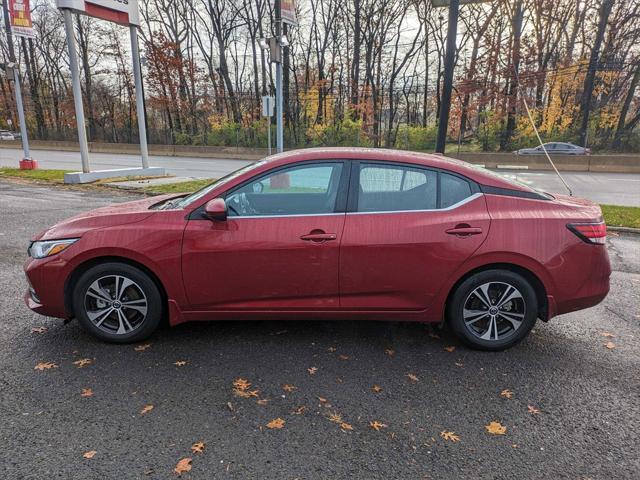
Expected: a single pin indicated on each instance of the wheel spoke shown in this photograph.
(514, 294)
(515, 319)
(123, 323)
(138, 305)
(493, 328)
(472, 316)
(95, 290)
(122, 283)
(482, 293)
(99, 316)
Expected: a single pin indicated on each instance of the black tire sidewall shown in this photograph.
(456, 305)
(150, 289)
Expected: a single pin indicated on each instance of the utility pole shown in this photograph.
(27, 162)
(447, 87)
(279, 129)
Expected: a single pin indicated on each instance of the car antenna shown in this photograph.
(533, 124)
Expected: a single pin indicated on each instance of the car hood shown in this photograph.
(110, 216)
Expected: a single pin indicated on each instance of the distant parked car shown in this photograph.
(6, 135)
(555, 148)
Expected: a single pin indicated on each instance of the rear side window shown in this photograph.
(453, 190)
(396, 188)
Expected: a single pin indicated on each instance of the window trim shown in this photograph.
(352, 202)
(339, 208)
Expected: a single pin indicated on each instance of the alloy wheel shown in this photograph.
(494, 311)
(116, 304)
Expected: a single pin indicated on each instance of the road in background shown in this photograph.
(569, 403)
(611, 188)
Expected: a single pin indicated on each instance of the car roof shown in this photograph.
(473, 172)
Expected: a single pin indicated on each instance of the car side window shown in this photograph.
(298, 190)
(453, 190)
(389, 188)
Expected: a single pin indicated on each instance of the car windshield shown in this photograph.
(197, 195)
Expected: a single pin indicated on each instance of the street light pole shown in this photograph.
(447, 87)
(279, 132)
(18, 89)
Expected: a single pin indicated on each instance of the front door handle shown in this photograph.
(464, 230)
(318, 236)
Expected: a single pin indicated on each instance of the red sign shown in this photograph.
(20, 15)
(288, 12)
(124, 12)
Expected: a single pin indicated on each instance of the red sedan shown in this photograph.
(332, 233)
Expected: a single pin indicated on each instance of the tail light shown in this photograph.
(595, 233)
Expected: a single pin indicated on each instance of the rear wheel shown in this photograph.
(493, 310)
(117, 303)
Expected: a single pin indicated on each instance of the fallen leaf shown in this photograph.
(412, 377)
(300, 410)
(183, 466)
(262, 401)
(459, 364)
(89, 454)
(495, 428)
(180, 363)
(343, 357)
(346, 426)
(450, 348)
(276, 423)
(197, 447)
(312, 370)
(322, 400)
(607, 334)
(533, 410)
(142, 348)
(288, 387)
(241, 384)
(335, 417)
(45, 366)
(331, 349)
(86, 392)
(610, 345)
(146, 409)
(390, 351)
(246, 393)
(434, 335)
(451, 436)
(376, 389)
(39, 329)
(506, 393)
(377, 426)
(83, 362)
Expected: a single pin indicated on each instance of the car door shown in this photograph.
(278, 247)
(406, 231)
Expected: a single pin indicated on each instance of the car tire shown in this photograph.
(493, 310)
(117, 303)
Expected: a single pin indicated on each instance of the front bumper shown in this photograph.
(46, 280)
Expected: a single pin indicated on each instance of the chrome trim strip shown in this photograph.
(451, 207)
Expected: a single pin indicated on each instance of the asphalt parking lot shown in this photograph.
(570, 405)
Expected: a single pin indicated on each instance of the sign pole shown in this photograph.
(137, 75)
(447, 87)
(77, 92)
(17, 85)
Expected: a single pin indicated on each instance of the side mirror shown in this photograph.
(216, 209)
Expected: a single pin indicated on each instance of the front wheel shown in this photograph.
(117, 303)
(493, 310)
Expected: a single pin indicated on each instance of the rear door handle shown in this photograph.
(464, 231)
(318, 237)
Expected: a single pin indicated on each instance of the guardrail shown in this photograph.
(621, 163)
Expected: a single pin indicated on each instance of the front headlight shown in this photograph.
(49, 247)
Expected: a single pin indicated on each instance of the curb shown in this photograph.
(635, 231)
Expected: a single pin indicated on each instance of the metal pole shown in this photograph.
(77, 92)
(137, 76)
(449, 64)
(269, 133)
(19, 105)
(279, 133)
(17, 86)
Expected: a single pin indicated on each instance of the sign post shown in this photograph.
(17, 20)
(123, 13)
(267, 111)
